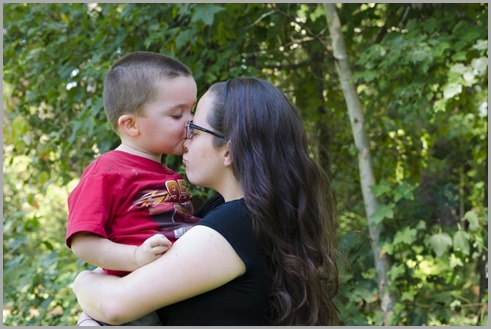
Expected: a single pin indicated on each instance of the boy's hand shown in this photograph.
(151, 249)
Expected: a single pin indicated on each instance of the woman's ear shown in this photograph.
(128, 125)
(227, 157)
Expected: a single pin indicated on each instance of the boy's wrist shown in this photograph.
(135, 258)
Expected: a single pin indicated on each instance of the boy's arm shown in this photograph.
(104, 253)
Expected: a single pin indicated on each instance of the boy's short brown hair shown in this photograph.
(131, 82)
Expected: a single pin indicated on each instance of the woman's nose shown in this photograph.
(185, 145)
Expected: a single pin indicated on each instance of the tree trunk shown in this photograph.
(483, 260)
(367, 178)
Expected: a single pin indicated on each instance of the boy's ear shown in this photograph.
(227, 156)
(128, 125)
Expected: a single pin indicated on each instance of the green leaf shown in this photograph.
(20, 126)
(421, 225)
(454, 261)
(367, 76)
(461, 242)
(205, 13)
(409, 295)
(451, 90)
(440, 105)
(481, 45)
(48, 245)
(43, 177)
(421, 53)
(185, 37)
(440, 243)
(318, 12)
(454, 304)
(458, 68)
(407, 236)
(403, 191)
(396, 271)
(473, 220)
(387, 248)
(382, 212)
(381, 188)
(480, 65)
(459, 56)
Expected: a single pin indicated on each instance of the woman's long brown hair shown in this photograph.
(288, 196)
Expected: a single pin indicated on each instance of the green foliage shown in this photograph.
(38, 268)
(421, 73)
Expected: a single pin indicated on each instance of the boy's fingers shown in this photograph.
(158, 250)
(160, 240)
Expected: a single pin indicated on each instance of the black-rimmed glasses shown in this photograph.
(190, 126)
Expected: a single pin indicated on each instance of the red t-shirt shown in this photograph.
(127, 198)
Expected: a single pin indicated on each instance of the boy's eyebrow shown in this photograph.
(182, 106)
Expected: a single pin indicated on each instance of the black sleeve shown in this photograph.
(209, 205)
(232, 222)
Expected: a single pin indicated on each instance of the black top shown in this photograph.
(242, 301)
(211, 204)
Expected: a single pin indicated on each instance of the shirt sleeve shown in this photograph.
(231, 221)
(89, 206)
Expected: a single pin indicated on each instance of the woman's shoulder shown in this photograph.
(233, 222)
(230, 219)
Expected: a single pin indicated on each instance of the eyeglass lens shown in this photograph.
(189, 131)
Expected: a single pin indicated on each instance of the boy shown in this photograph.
(128, 208)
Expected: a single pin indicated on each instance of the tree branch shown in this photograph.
(306, 29)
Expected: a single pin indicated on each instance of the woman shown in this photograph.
(267, 254)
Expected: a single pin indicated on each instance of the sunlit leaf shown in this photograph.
(461, 241)
(451, 90)
(440, 243)
(473, 220)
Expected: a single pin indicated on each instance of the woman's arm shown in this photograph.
(200, 261)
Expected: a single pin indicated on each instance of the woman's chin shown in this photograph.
(190, 177)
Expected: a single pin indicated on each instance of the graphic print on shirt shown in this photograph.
(170, 207)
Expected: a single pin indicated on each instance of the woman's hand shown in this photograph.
(85, 284)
